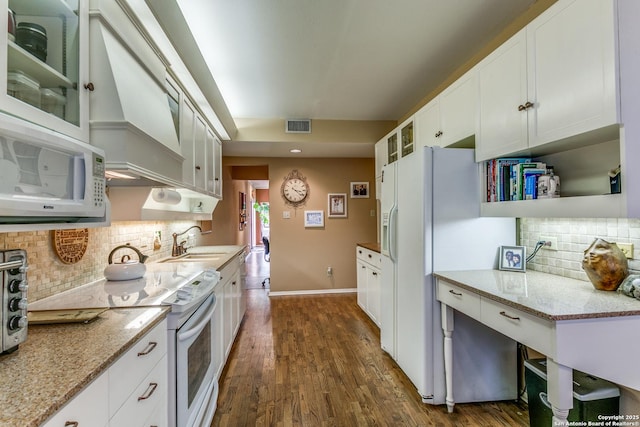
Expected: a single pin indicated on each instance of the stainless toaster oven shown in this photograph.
(13, 295)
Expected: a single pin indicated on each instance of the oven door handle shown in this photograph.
(196, 329)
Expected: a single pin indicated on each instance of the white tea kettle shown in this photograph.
(126, 269)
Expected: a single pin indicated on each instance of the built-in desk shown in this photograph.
(574, 325)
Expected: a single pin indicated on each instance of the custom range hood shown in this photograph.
(130, 115)
(159, 203)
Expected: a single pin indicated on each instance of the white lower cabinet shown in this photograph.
(368, 282)
(147, 399)
(230, 291)
(89, 408)
(132, 392)
(138, 381)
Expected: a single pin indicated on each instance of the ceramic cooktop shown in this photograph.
(150, 290)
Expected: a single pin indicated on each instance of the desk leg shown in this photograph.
(447, 328)
(559, 391)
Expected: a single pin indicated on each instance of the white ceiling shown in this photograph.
(325, 59)
(338, 59)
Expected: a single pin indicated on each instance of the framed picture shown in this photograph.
(513, 258)
(359, 190)
(337, 205)
(314, 218)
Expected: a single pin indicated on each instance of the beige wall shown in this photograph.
(300, 256)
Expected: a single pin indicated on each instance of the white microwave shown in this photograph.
(48, 178)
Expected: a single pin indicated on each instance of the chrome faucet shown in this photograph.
(179, 249)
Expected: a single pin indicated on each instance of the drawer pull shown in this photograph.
(458, 294)
(148, 349)
(375, 273)
(148, 392)
(71, 424)
(369, 255)
(504, 313)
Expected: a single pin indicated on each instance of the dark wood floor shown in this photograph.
(316, 361)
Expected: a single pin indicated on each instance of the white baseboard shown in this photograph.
(314, 292)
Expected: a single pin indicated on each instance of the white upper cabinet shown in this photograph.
(552, 81)
(45, 62)
(187, 141)
(217, 167)
(381, 161)
(571, 71)
(451, 117)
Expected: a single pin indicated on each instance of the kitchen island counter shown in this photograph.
(58, 361)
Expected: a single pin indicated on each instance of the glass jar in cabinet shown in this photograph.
(45, 58)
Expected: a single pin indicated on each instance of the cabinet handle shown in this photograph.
(148, 349)
(504, 313)
(369, 255)
(458, 294)
(89, 86)
(526, 106)
(148, 392)
(374, 273)
(359, 252)
(71, 424)
(233, 283)
(438, 134)
(197, 168)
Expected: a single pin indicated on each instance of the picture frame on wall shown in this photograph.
(513, 258)
(314, 219)
(337, 205)
(359, 190)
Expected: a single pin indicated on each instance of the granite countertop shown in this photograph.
(58, 361)
(374, 246)
(544, 295)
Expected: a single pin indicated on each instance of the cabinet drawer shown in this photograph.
(89, 408)
(529, 330)
(129, 370)
(369, 256)
(459, 299)
(149, 395)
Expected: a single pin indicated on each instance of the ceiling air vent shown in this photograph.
(297, 126)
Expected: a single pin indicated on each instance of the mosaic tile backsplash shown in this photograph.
(574, 236)
(48, 275)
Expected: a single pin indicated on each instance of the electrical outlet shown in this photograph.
(627, 249)
(551, 243)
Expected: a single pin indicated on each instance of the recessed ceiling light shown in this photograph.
(295, 150)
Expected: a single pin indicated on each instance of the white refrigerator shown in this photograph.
(430, 221)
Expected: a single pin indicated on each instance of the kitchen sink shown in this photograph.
(194, 258)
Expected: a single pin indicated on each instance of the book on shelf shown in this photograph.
(518, 185)
(499, 177)
(531, 182)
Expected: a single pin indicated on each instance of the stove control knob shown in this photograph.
(14, 285)
(17, 322)
(16, 304)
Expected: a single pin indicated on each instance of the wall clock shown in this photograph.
(295, 189)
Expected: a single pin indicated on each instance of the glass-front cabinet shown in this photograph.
(46, 63)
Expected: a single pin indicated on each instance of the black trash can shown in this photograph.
(592, 397)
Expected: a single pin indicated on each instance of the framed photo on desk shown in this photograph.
(513, 258)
